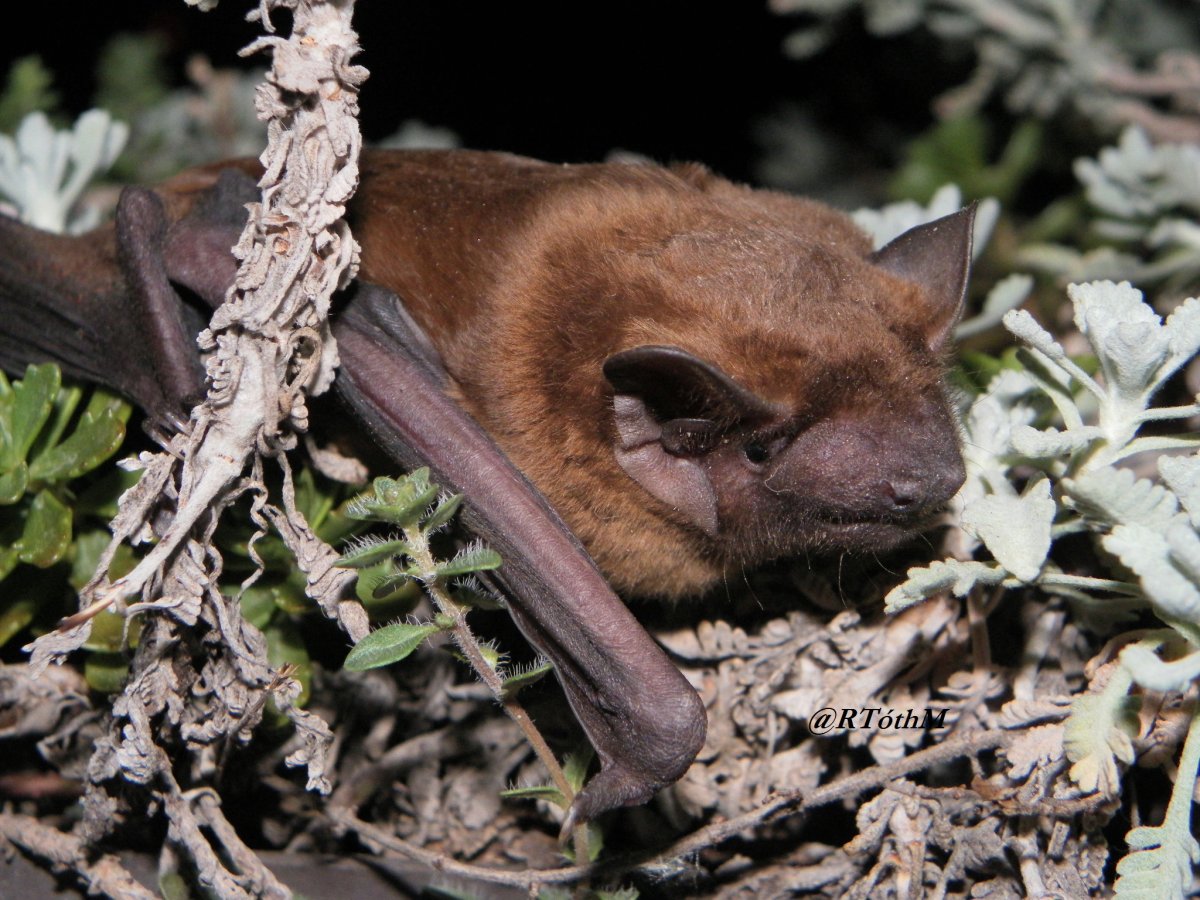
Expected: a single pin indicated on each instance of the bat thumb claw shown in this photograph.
(614, 786)
(568, 825)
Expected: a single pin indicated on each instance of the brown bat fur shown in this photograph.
(552, 269)
(527, 276)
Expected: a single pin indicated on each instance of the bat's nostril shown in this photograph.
(903, 493)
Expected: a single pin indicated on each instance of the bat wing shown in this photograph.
(644, 719)
(81, 304)
(102, 308)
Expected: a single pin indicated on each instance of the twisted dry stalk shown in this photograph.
(270, 345)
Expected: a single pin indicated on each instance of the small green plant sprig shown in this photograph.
(412, 505)
(1045, 414)
(47, 442)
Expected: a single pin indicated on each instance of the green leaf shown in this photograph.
(398, 501)
(472, 559)
(47, 531)
(1152, 673)
(108, 632)
(1157, 559)
(370, 581)
(444, 513)
(1135, 349)
(1050, 443)
(312, 502)
(13, 484)
(390, 586)
(258, 605)
(522, 678)
(28, 88)
(1099, 734)
(387, 645)
(1162, 859)
(106, 672)
(471, 594)
(576, 765)
(9, 557)
(625, 893)
(536, 792)
(65, 404)
(291, 595)
(16, 616)
(493, 657)
(1182, 475)
(368, 552)
(85, 556)
(93, 441)
(32, 400)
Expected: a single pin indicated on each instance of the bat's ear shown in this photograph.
(670, 409)
(936, 256)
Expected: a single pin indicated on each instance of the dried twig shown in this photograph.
(103, 875)
(666, 859)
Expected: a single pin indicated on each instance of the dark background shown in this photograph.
(670, 79)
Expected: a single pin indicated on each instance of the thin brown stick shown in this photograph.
(103, 875)
(782, 802)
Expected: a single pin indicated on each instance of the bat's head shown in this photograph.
(828, 428)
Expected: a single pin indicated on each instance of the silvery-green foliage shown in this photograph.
(883, 17)
(414, 134)
(44, 171)
(1136, 182)
(1072, 429)
(1042, 56)
(214, 119)
(1147, 198)
(1095, 424)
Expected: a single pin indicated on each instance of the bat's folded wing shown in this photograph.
(105, 308)
(644, 719)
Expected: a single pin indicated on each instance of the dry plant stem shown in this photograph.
(651, 861)
(433, 745)
(270, 338)
(271, 345)
(981, 650)
(66, 852)
(469, 645)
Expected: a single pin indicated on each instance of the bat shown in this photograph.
(651, 368)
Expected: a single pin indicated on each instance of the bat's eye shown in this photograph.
(756, 453)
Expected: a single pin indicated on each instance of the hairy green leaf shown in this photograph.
(1110, 496)
(1015, 529)
(957, 576)
(472, 559)
(444, 513)
(387, 645)
(367, 552)
(397, 501)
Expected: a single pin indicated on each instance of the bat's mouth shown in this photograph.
(871, 534)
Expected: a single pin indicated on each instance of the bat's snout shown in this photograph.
(864, 468)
